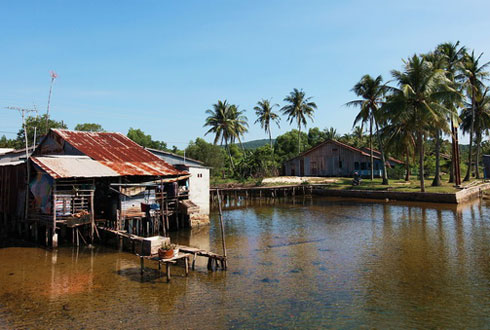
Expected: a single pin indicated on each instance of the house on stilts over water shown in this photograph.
(78, 181)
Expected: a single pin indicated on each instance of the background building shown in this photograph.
(333, 158)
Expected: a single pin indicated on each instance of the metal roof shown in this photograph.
(15, 163)
(343, 145)
(59, 167)
(5, 150)
(117, 152)
(174, 159)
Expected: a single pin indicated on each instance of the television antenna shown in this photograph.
(54, 75)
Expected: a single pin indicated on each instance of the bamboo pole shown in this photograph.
(222, 227)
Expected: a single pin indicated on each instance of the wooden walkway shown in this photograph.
(227, 194)
(215, 260)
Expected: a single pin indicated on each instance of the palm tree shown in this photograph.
(372, 92)
(227, 123)
(437, 61)
(452, 56)
(331, 134)
(240, 124)
(473, 74)
(265, 116)
(417, 101)
(298, 109)
(481, 122)
(399, 139)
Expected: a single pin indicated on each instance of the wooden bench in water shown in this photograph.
(214, 260)
(167, 262)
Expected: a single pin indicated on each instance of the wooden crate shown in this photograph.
(150, 245)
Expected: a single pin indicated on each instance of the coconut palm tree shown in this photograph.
(399, 139)
(474, 73)
(417, 101)
(372, 92)
(240, 123)
(227, 123)
(481, 122)
(452, 55)
(265, 116)
(299, 108)
(437, 61)
(331, 134)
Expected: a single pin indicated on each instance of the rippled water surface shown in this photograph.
(314, 263)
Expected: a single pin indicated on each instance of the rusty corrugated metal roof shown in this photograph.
(59, 167)
(117, 152)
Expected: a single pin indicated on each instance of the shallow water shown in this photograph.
(313, 263)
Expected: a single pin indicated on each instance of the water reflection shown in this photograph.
(301, 262)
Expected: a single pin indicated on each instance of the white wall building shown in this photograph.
(199, 180)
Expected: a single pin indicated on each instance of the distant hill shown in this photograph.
(254, 144)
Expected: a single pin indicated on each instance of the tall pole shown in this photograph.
(24, 125)
(222, 227)
(53, 77)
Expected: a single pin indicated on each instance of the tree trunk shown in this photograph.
(383, 159)
(299, 138)
(456, 158)
(477, 156)
(452, 168)
(273, 156)
(420, 142)
(229, 154)
(371, 146)
(468, 171)
(451, 171)
(407, 164)
(437, 177)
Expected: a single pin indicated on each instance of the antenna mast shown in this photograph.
(53, 77)
(23, 112)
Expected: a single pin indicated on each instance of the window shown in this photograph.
(356, 165)
(376, 166)
(363, 166)
(340, 163)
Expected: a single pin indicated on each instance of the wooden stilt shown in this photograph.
(142, 265)
(194, 261)
(92, 217)
(54, 238)
(167, 266)
(186, 260)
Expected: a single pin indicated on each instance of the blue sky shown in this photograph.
(158, 65)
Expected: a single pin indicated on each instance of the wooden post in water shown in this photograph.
(222, 228)
(92, 216)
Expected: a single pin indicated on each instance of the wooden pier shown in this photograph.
(248, 193)
(130, 241)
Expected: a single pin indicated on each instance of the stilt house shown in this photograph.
(80, 180)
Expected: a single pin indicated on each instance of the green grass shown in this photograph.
(395, 185)
(346, 184)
